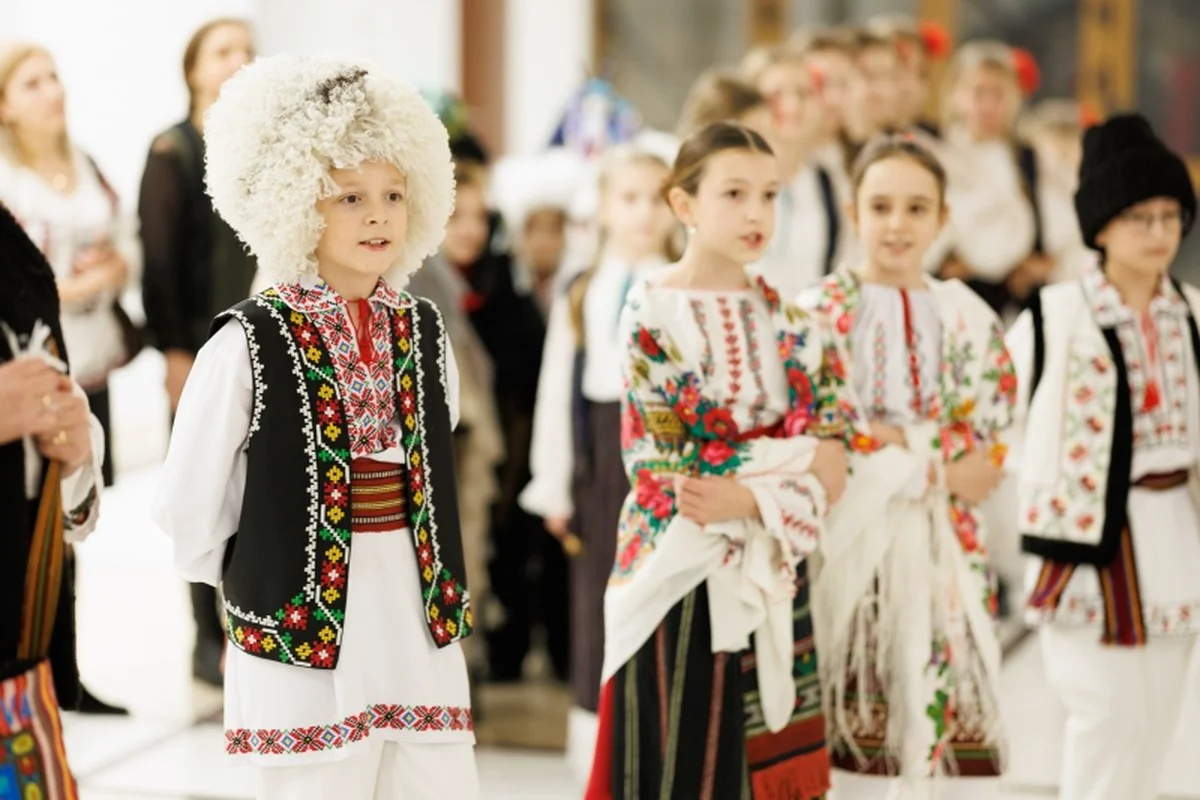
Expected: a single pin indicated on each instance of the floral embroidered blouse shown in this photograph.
(720, 384)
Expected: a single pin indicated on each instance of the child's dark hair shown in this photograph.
(882, 148)
(714, 138)
(717, 96)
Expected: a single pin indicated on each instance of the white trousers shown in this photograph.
(849, 786)
(1122, 706)
(379, 771)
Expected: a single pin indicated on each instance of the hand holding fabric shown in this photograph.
(973, 477)
(30, 392)
(708, 501)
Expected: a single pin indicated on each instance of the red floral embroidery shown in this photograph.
(633, 427)
(717, 453)
(307, 740)
(429, 718)
(295, 617)
(333, 575)
(649, 345)
(252, 640)
(336, 495)
(651, 495)
(719, 423)
(449, 592)
(323, 654)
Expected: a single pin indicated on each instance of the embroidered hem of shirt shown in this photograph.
(355, 728)
(1178, 619)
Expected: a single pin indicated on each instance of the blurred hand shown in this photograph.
(973, 477)
(706, 501)
(31, 393)
(70, 442)
(831, 466)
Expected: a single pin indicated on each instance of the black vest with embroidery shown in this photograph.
(288, 569)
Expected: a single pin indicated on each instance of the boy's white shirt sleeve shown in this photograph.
(551, 456)
(81, 490)
(202, 481)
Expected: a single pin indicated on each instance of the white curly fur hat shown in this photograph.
(279, 126)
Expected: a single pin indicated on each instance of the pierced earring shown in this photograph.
(691, 230)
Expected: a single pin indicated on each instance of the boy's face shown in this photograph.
(1146, 237)
(543, 240)
(366, 220)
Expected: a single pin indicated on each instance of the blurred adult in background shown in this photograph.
(528, 568)
(195, 265)
(70, 211)
(811, 231)
(49, 490)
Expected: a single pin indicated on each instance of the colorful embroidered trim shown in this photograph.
(376, 496)
(355, 728)
(447, 603)
(33, 759)
(308, 630)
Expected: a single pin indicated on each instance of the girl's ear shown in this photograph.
(681, 205)
(944, 216)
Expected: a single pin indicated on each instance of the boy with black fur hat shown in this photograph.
(1108, 476)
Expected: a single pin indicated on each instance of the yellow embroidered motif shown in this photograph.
(427, 574)
(331, 595)
(403, 344)
(327, 635)
(468, 618)
(268, 643)
(325, 392)
(451, 627)
(313, 354)
(332, 431)
(416, 459)
(22, 745)
(304, 651)
(664, 425)
(334, 474)
(297, 318)
(433, 612)
(410, 421)
(335, 515)
(422, 536)
(419, 498)
(239, 634)
(406, 381)
(334, 554)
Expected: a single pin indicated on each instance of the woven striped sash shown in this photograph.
(376, 496)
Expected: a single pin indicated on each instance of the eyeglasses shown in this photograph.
(1144, 220)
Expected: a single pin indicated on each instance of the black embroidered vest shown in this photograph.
(287, 571)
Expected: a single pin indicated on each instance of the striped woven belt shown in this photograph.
(377, 501)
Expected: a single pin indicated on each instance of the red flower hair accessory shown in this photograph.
(1029, 75)
(935, 39)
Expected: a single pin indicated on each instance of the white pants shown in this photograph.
(379, 771)
(1123, 707)
(849, 786)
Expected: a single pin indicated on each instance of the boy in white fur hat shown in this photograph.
(311, 469)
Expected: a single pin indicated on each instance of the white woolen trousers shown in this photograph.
(850, 786)
(1123, 707)
(379, 771)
